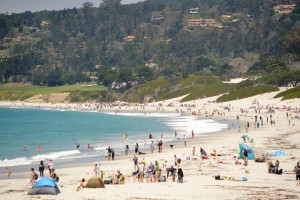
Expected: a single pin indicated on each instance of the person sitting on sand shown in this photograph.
(276, 168)
(270, 167)
(141, 153)
(82, 185)
(236, 159)
(54, 176)
(203, 153)
(214, 153)
(118, 178)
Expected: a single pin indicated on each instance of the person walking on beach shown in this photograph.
(135, 162)
(184, 140)
(112, 154)
(50, 166)
(193, 134)
(152, 147)
(96, 169)
(8, 170)
(41, 168)
(126, 149)
(297, 171)
(175, 134)
(136, 148)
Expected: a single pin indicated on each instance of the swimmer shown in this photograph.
(26, 149)
(39, 147)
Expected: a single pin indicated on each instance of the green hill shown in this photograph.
(289, 94)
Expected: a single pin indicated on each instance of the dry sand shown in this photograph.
(199, 182)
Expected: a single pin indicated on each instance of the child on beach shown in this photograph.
(193, 151)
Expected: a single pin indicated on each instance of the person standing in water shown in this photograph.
(126, 149)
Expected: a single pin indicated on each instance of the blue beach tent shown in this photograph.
(249, 150)
(45, 186)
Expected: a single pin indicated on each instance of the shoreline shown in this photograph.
(259, 185)
(20, 169)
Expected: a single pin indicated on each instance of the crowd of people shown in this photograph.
(41, 168)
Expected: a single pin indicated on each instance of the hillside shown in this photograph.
(124, 46)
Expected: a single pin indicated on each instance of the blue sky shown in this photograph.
(17, 6)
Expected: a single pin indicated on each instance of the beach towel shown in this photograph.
(278, 153)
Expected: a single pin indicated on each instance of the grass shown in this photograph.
(195, 86)
(289, 94)
(246, 92)
(21, 91)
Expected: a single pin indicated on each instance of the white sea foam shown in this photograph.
(26, 161)
(146, 114)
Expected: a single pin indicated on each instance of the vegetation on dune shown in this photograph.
(289, 94)
(246, 92)
(193, 86)
(20, 91)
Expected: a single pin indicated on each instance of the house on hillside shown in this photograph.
(194, 10)
(284, 8)
(157, 18)
(204, 22)
(116, 85)
(129, 38)
(21, 38)
(6, 39)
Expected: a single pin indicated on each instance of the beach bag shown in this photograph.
(36, 176)
(107, 182)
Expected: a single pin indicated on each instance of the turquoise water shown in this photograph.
(57, 131)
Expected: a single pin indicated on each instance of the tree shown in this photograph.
(144, 72)
(54, 78)
(107, 77)
(126, 75)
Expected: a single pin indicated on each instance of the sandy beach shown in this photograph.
(198, 181)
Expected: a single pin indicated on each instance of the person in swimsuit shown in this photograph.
(41, 168)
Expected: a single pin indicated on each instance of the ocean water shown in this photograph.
(57, 131)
